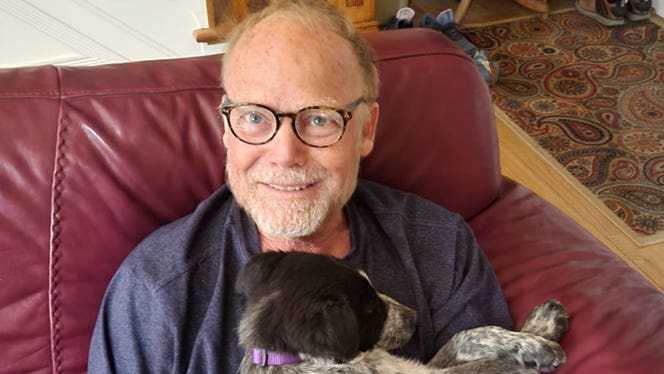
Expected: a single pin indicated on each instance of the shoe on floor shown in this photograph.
(488, 69)
(429, 21)
(606, 12)
(638, 10)
(447, 26)
(402, 20)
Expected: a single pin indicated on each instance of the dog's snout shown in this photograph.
(399, 325)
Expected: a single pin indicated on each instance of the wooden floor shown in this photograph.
(521, 162)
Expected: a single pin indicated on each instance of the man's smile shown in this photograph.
(281, 187)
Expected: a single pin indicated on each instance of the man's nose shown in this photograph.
(286, 149)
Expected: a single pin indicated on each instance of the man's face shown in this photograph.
(289, 188)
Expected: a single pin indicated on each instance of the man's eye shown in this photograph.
(253, 118)
(319, 121)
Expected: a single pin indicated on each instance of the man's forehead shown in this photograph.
(273, 35)
(285, 59)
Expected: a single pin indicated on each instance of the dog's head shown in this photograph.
(318, 306)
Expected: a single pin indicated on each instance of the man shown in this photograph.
(300, 112)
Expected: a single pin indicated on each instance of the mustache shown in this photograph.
(294, 175)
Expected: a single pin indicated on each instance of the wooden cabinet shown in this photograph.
(362, 12)
(223, 15)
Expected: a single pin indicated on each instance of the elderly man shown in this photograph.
(300, 112)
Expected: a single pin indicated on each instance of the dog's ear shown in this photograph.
(325, 327)
(256, 271)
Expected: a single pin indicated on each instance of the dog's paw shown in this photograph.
(491, 342)
(535, 352)
(548, 320)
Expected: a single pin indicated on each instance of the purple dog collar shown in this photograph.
(269, 358)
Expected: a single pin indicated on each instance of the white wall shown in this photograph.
(91, 32)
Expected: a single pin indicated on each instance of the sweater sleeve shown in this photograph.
(475, 297)
(130, 335)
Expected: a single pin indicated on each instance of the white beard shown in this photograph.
(289, 219)
(292, 218)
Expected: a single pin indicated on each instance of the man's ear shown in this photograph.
(325, 327)
(256, 271)
(368, 135)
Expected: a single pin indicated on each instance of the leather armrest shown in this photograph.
(538, 253)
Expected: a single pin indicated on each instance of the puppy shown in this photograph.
(308, 313)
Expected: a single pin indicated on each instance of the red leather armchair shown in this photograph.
(95, 158)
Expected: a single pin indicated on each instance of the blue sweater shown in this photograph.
(171, 305)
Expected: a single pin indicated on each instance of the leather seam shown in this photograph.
(135, 91)
(29, 95)
(56, 230)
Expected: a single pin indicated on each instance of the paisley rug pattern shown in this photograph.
(593, 97)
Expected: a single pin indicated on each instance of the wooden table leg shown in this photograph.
(536, 5)
(461, 10)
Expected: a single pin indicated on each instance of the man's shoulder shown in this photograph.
(174, 248)
(385, 201)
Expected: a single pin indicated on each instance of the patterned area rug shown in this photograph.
(593, 98)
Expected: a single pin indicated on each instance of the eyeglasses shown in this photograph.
(316, 126)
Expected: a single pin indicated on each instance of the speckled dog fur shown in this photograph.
(327, 312)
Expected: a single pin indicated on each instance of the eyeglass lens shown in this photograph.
(315, 126)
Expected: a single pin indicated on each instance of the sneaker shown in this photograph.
(638, 10)
(402, 20)
(445, 20)
(606, 12)
(488, 69)
(429, 21)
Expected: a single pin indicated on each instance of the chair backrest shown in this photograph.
(95, 158)
(436, 135)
